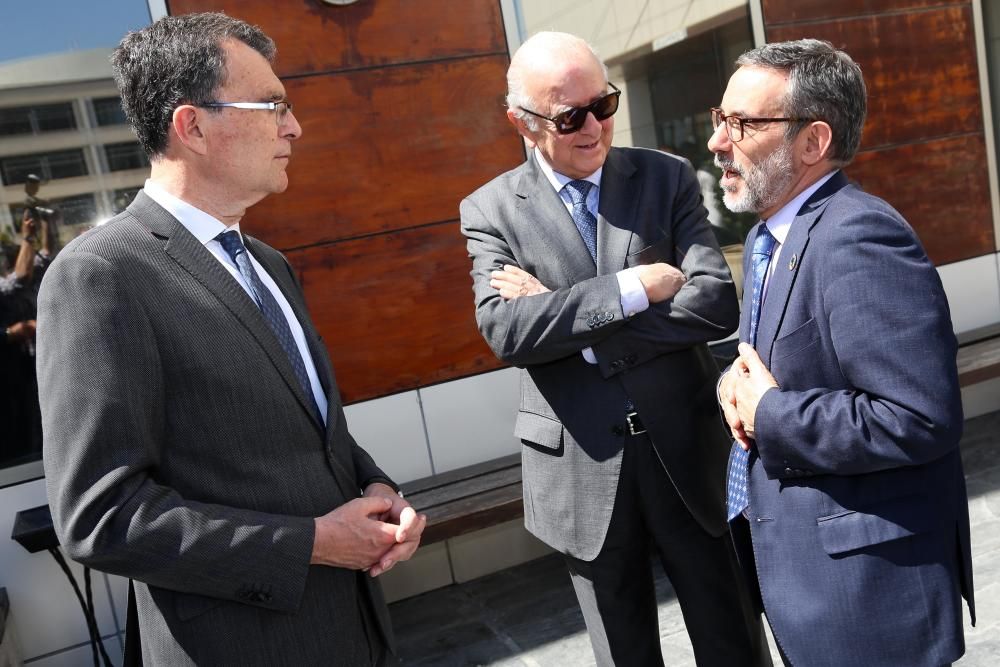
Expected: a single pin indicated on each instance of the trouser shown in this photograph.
(616, 590)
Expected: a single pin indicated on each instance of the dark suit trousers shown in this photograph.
(616, 590)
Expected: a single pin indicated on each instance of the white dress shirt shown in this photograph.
(206, 228)
(779, 224)
(633, 294)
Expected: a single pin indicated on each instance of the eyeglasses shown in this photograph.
(280, 109)
(735, 124)
(571, 120)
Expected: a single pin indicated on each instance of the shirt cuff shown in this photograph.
(633, 294)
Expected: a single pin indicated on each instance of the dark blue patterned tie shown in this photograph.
(582, 217)
(737, 497)
(233, 244)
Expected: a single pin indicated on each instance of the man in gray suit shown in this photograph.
(195, 441)
(595, 270)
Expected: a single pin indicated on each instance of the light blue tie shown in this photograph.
(737, 496)
(233, 245)
(582, 217)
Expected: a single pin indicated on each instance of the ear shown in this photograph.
(818, 140)
(186, 124)
(522, 128)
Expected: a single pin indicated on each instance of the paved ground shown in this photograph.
(527, 616)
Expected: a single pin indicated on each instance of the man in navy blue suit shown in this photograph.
(847, 499)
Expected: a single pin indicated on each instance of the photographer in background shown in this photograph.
(19, 412)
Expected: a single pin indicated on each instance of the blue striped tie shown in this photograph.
(582, 217)
(737, 494)
(233, 245)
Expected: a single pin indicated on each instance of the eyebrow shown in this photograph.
(565, 107)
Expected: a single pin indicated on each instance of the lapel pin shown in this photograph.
(793, 262)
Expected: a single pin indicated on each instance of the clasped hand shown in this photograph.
(740, 392)
(370, 533)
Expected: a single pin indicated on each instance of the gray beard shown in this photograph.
(764, 183)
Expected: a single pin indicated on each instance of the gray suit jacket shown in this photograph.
(180, 452)
(571, 420)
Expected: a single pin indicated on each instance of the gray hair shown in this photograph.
(824, 83)
(540, 48)
(176, 60)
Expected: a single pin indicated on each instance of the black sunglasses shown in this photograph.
(572, 120)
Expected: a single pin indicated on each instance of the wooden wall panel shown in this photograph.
(924, 139)
(395, 310)
(940, 187)
(779, 11)
(920, 69)
(391, 148)
(315, 37)
(401, 104)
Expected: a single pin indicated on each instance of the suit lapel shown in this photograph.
(279, 273)
(619, 200)
(542, 211)
(793, 254)
(181, 246)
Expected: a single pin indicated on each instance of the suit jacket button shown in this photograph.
(789, 472)
(618, 429)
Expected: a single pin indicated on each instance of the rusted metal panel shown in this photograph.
(782, 11)
(395, 310)
(920, 69)
(315, 37)
(941, 188)
(389, 149)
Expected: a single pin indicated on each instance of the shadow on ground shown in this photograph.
(527, 615)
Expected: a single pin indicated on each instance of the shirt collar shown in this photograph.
(203, 226)
(779, 223)
(558, 180)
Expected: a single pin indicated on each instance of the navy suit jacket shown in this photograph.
(858, 510)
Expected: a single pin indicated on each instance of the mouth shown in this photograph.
(730, 172)
(588, 147)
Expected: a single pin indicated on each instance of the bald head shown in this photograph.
(543, 63)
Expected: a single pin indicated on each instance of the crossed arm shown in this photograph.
(690, 303)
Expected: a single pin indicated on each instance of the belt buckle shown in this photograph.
(635, 425)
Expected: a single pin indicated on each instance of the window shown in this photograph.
(991, 25)
(701, 67)
(108, 111)
(125, 156)
(37, 119)
(48, 166)
(76, 210)
(120, 199)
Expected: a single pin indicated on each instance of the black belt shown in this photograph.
(634, 423)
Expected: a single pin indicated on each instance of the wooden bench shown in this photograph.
(979, 355)
(467, 499)
(489, 493)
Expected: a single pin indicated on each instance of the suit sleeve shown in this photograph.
(103, 418)
(890, 330)
(704, 309)
(541, 328)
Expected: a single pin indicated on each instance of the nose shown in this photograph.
(290, 128)
(592, 125)
(719, 141)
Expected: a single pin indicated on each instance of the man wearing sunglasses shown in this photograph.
(848, 502)
(194, 437)
(595, 270)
